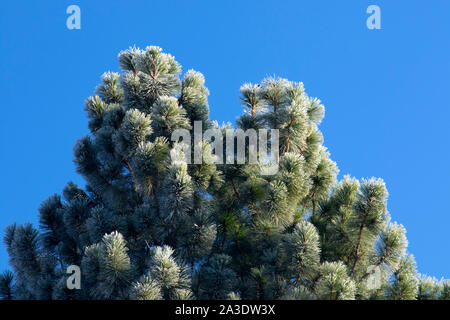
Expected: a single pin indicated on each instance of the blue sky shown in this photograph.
(385, 91)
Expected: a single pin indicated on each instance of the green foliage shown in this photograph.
(334, 283)
(306, 249)
(6, 283)
(432, 289)
(149, 225)
(171, 277)
(216, 279)
(146, 289)
(404, 285)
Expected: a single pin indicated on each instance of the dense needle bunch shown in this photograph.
(148, 225)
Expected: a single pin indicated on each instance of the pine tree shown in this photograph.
(150, 224)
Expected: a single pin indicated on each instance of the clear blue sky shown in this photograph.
(386, 92)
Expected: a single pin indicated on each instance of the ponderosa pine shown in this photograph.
(148, 225)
